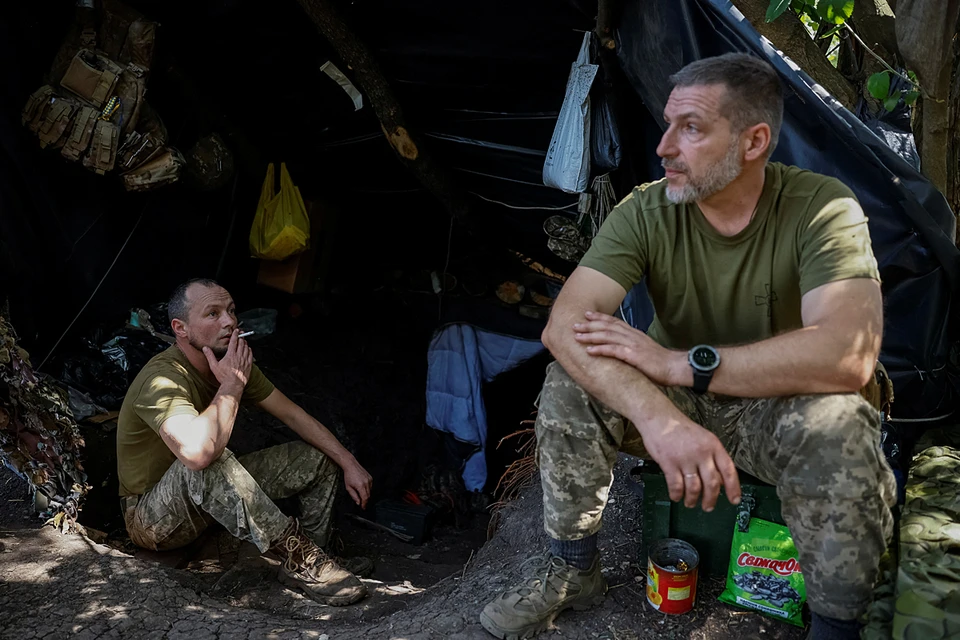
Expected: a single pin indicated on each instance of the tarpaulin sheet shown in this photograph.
(911, 225)
(461, 358)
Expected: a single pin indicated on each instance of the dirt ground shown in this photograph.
(70, 585)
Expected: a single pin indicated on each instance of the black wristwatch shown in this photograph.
(704, 359)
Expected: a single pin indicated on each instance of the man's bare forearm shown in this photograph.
(806, 361)
(614, 383)
(218, 420)
(314, 433)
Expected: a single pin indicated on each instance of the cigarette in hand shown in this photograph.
(246, 334)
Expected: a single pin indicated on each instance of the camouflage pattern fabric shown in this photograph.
(238, 493)
(565, 238)
(39, 438)
(927, 601)
(821, 451)
(878, 619)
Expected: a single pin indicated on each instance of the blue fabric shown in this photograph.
(636, 308)
(460, 359)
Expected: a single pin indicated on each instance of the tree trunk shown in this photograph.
(926, 35)
(789, 35)
(935, 134)
(407, 145)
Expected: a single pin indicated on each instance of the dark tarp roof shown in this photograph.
(484, 82)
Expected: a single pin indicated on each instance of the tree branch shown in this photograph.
(876, 25)
(607, 19)
(789, 35)
(436, 178)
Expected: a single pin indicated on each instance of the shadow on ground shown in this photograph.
(53, 584)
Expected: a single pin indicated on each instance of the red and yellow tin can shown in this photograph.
(672, 569)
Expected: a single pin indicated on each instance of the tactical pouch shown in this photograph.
(162, 170)
(80, 134)
(91, 76)
(138, 47)
(56, 121)
(138, 148)
(37, 103)
(130, 89)
(102, 155)
(879, 391)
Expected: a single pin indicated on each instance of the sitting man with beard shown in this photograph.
(768, 322)
(177, 476)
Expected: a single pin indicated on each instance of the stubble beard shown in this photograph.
(219, 352)
(715, 179)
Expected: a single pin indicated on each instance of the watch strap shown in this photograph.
(701, 380)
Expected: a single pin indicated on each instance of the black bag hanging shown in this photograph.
(604, 132)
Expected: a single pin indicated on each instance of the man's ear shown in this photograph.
(179, 327)
(757, 140)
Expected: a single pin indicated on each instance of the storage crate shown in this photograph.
(412, 520)
(710, 533)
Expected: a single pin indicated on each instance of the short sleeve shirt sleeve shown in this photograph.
(835, 243)
(619, 251)
(163, 396)
(258, 388)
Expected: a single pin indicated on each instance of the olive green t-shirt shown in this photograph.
(808, 230)
(167, 386)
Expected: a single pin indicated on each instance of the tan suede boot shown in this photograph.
(549, 587)
(308, 568)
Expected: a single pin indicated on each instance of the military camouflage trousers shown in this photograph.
(238, 493)
(821, 451)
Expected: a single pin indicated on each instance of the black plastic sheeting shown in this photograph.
(911, 225)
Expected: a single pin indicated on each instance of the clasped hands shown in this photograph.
(693, 459)
(605, 335)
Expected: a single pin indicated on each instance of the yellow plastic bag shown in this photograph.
(281, 227)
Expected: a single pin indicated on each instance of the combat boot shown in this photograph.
(550, 587)
(308, 568)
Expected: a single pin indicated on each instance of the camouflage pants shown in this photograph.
(238, 493)
(821, 451)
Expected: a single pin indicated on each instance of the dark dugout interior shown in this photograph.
(79, 251)
(483, 83)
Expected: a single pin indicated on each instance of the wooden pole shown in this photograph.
(404, 141)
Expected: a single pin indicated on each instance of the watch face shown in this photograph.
(704, 358)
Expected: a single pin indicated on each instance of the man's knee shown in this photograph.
(566, 408)
(224, 476)
(830, 445)
(316, 459)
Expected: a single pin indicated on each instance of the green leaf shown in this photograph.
(891, 103)
(913, 77)
(835, 11)
(910, 97)
(879, 85)
(776, 9)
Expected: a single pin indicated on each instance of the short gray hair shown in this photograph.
(177, 307)
(754, 94)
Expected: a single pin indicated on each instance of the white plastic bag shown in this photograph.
(567, 166)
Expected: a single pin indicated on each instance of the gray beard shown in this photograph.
(714, 180)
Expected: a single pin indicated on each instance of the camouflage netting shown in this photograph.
(920, 598)
(39, 438)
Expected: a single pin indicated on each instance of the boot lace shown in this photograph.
(313, 557)
(543, 567)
